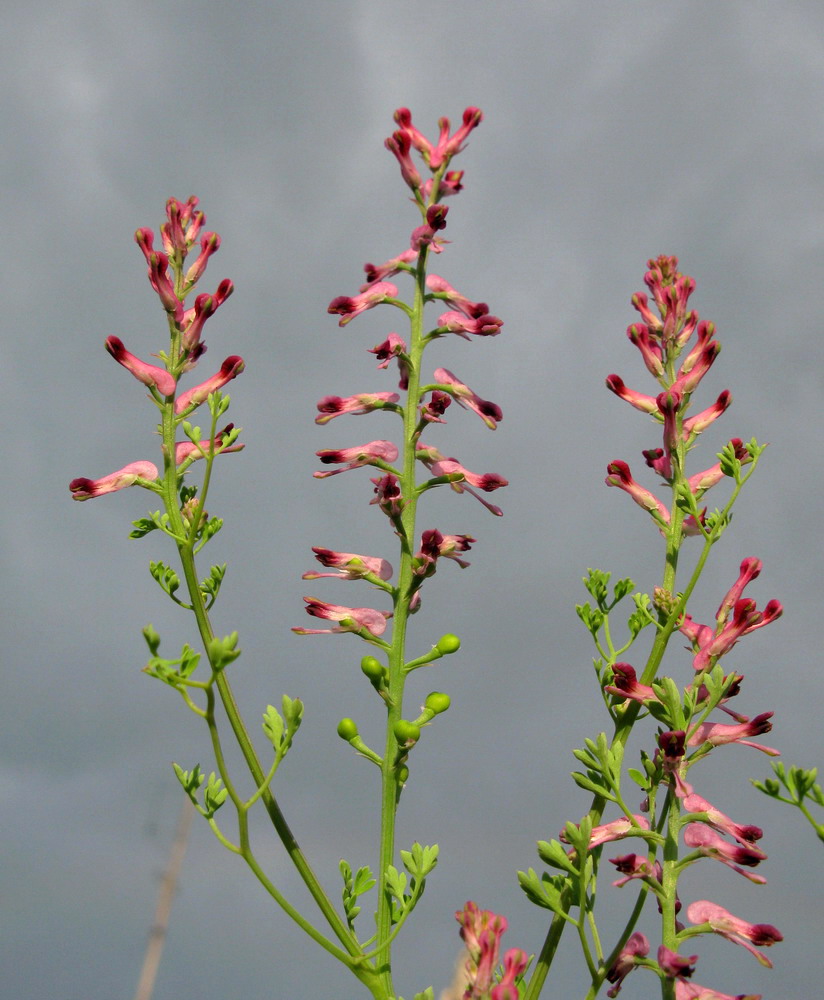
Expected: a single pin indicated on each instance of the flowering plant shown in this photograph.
(655, 805)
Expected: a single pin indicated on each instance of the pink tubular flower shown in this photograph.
(481, 931)
(626, 685)
(637, 946)
(349, 565)
(393, 347)
(745, 618)
(150, 375)
(650, 349)
(685, 990)
(433, 411)
(163, 285)
(209, 244)
(674, 965)
(447, 146)
(372, 453)
(618, 474)
(399, 144)
(749, 570)
(734, 929)
(349, 307)
(450, 545)
(646, 404)
(194, 319)
(701, 421)
(515, 963)
(425, 235)
(688, 381)
(440, 466)
(231, 368)
(137, 473)
(709, 477)
(388, 496)
(380, 272)
(633, 866)
(616, 830)
(720, 733)
(443, 290)
(669, 405)
(189, 450)
(489, 412)
(351, 619)
(363, 402)
(712, 845)
(744, 833)
(481, 326)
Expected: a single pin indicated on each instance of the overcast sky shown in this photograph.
(613, 132)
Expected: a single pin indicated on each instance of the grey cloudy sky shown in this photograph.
(613, 132)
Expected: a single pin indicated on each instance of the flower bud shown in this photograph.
(448, 644)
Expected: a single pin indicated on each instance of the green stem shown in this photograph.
(287, 838)
(390, 782)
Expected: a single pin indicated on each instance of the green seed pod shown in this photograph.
(403, 774)
(372, 668)
(437, 702)
(448, 644)
(406, 732)
(347, 730)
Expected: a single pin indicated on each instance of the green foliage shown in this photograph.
(214, 794)
(353, 887)
(168, 581)
(801, 786)
(210, 585)
(172, 672)
(223, 651)
(419, 862)
(603, 765)
(280, 729)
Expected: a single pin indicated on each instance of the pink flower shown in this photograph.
(150, 375)
(351, 619)
(633, 866)
(744, 834)
(489, 412)
(637, 946)
(450, 545)
(646, 404)
(734, 928)
(673, 965)
(687, 382)
(364, 402)
(703, 481)
(745, 618)
(447, 146)
(193, 319)
(372, 453)
(432, 412)
(515, 963)
(388, 496)
(380, 272)
(442, 466)
(619, 475)
(626, 685)
(350, 565)
(481, 326)
(712, 845)
(189, 450)
(692, 991)
(481, 931)
(393, 347)
(231, 368)
(616, 830)
(399, 144)
(650, 349)
(671, 291)
(749, 570)
(701, 421)
(441, 289)
(450, 184)
(350, 307)
(425, 235)
(719, 733)
(209, 244)
(135, 474)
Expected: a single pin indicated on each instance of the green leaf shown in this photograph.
(545, 890)
(214, 795)
(553, 853)
(223, 651)
(143, 525)
(420, 861)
